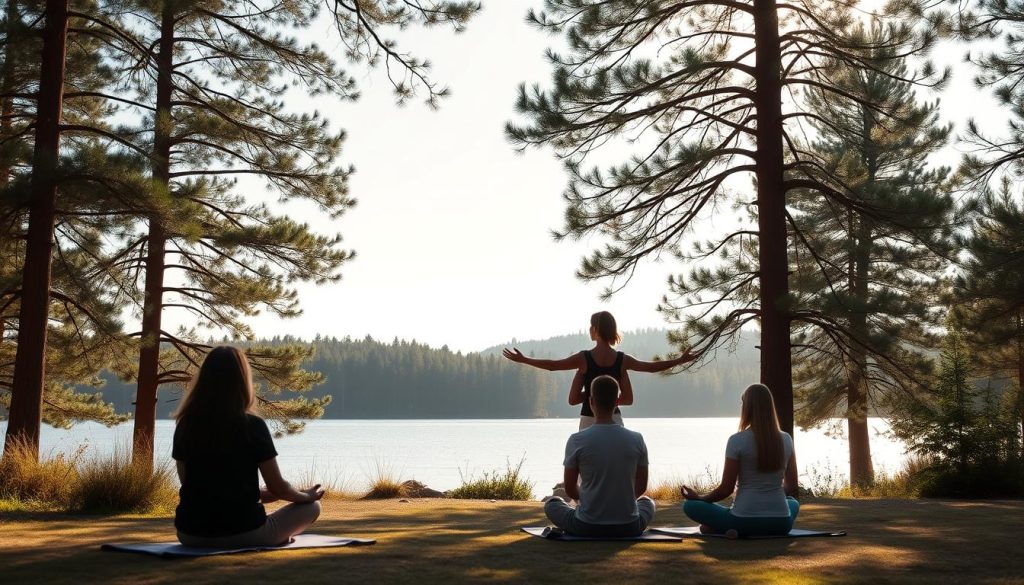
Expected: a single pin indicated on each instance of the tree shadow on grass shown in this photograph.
(418, 543)
(741, 550)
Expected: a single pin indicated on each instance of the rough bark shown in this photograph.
(861, 469)
(25, 415)
(149, 352)
(1020, 372)
(776, 361)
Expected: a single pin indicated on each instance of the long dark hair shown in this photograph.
(759, 415)
(220, 396)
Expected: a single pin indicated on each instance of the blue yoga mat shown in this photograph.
(174, 549)
(794, 533)
(550, 533)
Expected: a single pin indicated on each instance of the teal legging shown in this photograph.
(721, 519)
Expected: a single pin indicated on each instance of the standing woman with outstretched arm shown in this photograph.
(602, 360)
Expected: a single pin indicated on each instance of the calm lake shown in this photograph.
(439, 453)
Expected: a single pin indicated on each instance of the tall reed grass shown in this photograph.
(80, 483)
(45, 483)
(113, 483)
(384, 482)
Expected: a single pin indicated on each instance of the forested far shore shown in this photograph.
(369, 378)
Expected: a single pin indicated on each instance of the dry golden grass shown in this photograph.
(385, 483)
(669, 491)
(80, 483)
(113, 483)
(44, 483)
(459, 541)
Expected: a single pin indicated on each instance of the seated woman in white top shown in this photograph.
(760, 458)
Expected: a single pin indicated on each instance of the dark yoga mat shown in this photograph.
(549, 533)
(794, 533)
(173, 549)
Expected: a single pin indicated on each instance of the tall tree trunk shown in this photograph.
(25, 415)
(152, 309)
(861, 470)
(1020, 373)
(776, 362)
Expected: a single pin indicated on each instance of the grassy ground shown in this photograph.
(432, 541)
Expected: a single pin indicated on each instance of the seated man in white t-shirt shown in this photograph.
(611, 463)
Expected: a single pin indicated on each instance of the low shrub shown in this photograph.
(43, 483)
(496, 485)
(823, 482)
(115, 484)
(385, 483)
(1002, 480)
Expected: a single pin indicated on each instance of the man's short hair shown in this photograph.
(605, 391)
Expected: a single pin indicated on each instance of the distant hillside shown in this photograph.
(368, 378)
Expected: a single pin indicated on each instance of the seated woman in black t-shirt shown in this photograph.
(220, 447)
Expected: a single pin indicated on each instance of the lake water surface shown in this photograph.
(439, 453)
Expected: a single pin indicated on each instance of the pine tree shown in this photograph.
(697, 89)
(991, 289)
(961, 428)
(29, 369)
(62, 243)
(866, 277)
(209, 81)
(1002, 71)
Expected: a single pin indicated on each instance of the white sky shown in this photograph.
(452, 228)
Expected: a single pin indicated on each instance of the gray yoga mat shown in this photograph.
(794, 533)
(173, 549)
(548, 533)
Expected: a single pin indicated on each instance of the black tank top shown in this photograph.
(593, 371)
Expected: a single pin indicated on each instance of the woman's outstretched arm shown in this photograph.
(278, 488)
(573, 362)
(631, 363)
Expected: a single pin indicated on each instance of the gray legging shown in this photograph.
(278, 529)
(563, 516)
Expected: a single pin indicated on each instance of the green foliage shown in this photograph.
(967, 431)
(85, 331)
(496, 485)
(990, 291)
(906, 483)
(867, 280)
(1001, 71)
